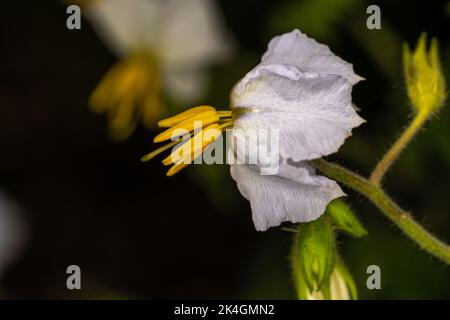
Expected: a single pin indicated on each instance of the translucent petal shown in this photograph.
(297, 49)
(192, 34)
(313, 113)
(295, 194)
(187, 85)
(127, 26)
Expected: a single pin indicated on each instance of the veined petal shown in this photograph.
(295, 194)
(297, 49)
(313, 113)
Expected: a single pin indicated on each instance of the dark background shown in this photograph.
(136, 233)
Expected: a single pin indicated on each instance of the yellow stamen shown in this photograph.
(225, 125)
(224, 114)
(170, 122)
(195, 146)
(206, 118)
(129, 91)
(176, 168)
(184, 162)
(154, 153)
(188, 150)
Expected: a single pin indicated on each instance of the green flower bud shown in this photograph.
(313, 256)
(344, 219)
(425, 82)
(340, 286)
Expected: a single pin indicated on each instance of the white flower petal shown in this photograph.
(313, 113)
(184, 35)
(296, 194)
(179, 32)
(297, 49)
(193, 34)
(185, 85)
(126, 26)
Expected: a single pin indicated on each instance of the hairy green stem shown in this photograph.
(393, 153)
(400, 217)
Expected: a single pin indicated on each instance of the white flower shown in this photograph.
(302, 90)
(183, 35)
(164, 47)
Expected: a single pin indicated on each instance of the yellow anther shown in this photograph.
(212, 135)
(205, 118)
(225, 125)
(176, 168)
(170, 122)
(224, 114)
(129, 91)
(195, 146)
(190, 146)
(154, 153)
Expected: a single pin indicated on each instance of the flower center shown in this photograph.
(191, 132)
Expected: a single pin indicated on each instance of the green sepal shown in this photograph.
(344, 219)
(315, 252)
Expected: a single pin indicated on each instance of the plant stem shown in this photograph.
(388, 159)
(400, 217)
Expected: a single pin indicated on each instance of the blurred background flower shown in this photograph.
(136, 233)
(164, 47)
(12, 235)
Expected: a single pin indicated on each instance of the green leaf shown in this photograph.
(315, 252)
(344, 219)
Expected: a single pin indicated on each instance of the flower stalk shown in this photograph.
(393, 153)
(392, 210)
(425, 85)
